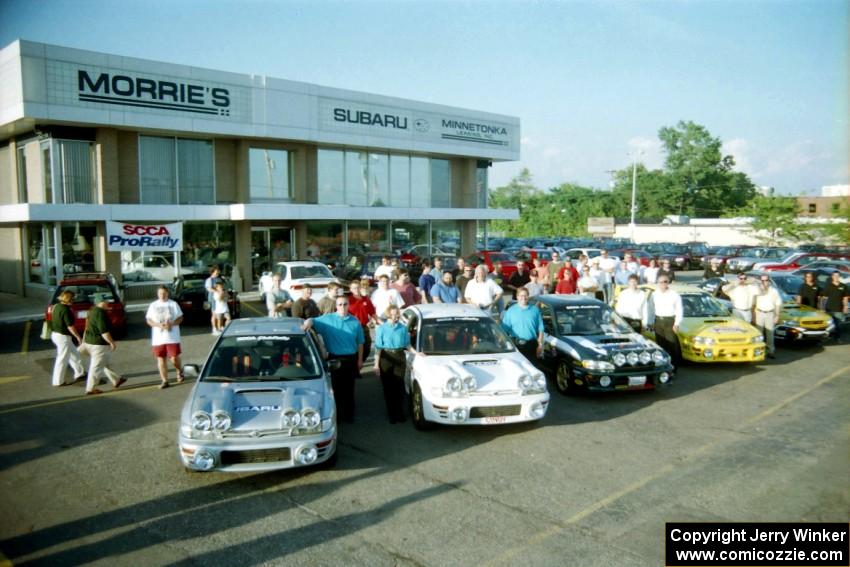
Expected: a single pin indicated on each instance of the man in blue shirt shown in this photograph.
(343, 337)
(426, 281)
(524, 323)
(444, 291)
(391, 341)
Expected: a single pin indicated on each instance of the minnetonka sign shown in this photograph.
(122, 237)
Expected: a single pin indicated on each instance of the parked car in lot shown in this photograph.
(591, 348)
(573, 254)
(489, 257)
(640, 256)
(192, 297)
(725, 253)
(471, 372)
(293, 276)
(358, 266)
(709, 332)
(795, 260)
(419, 252)
(679, 256)
(262, 401)
(152, 268)
(753, 256)
(528, 255)
(89, 289)
(796, 322)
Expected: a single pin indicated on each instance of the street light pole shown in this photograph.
(634, 193)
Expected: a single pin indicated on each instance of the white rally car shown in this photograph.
(471, 373)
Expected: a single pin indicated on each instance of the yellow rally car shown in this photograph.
(709, 332)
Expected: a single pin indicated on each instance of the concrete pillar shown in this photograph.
(301, 240)
(243, 254)
(106, 160)
(467, 237)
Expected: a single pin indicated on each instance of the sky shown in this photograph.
(592, 82)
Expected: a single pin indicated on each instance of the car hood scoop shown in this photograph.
(262, 407)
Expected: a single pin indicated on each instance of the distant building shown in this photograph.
(835, 191)
(821, 207)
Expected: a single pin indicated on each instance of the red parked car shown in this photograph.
(795, 260)
(641, 256)
(90, 288)
(527, 255)
(488, 257)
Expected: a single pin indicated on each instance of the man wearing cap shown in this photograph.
(100, 345)
(743, 296)
(768, 304)
(713, 270)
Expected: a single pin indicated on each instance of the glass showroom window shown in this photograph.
(420, 182)
(379, 180)
(356, 178)
(410, 234)
(41, 251)
(78, 247)
(445, 235)
(481, 185)
(441, 183)
(22, 175)
(175, 171)
(399, 181)
(368, 236)
(331, 177)
(325, 240)
(68, 171)
(207, 244)
(269, 175)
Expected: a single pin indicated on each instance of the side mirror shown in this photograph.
(333, 365)
(191, 370)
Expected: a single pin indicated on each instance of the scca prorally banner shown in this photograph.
(122, 236)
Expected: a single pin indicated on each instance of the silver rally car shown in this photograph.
(263, 401)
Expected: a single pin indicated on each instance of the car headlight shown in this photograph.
(619, 359)
(599, 364)
(645, 357)
(470, 383)
(633, 358)
(221, 421)
(540, 381)
(703, 341)
(454, 385)
(310, 418)
(291, 418)
(201, 421)
(327, 423)
(790, 323)
(525, 382)
(306, 454)
(658, 356)
(757, 339)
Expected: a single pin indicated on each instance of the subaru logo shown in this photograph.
(421, 125)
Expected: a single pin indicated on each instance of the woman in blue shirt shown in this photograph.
(391, 342)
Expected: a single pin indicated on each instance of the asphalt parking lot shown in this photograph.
(97, 479)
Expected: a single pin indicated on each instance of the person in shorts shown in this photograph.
(164, 317)
(221, 312)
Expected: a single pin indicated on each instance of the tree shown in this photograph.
(775, 219)
(520, 193)
(839, 228)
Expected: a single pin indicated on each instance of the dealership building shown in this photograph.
(98, 151)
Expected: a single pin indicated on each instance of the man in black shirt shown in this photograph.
(837, 295)
(667, 271)
(519, 278)
(464, 278)
(808, 294)
(713, 270)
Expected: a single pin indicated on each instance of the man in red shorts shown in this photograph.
(164, 317)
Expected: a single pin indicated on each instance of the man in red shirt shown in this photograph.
(567, 278)
(361, 307)
(406, 289)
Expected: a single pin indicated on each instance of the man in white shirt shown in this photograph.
(667, 314)
(632, 304)
(265, 285)
(385, 269)
(601, 277)
(650, 273)
(768, 308)
(278, 300)
(209, 285)
(534, 285)
(743, 296)
(608, 266)
(482, 291)
(587, 284)
(385, 296)
(164, 317)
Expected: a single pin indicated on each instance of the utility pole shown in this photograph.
(634, 156)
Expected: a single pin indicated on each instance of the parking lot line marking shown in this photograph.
(637, 485)
(254, 309)
(10, 379)
(109, 393)
(25, 343)
(780, 405)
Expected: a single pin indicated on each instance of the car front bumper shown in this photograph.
(803, 334)
(486, 410)
(750, 352)
(623, 379)
(249, 454)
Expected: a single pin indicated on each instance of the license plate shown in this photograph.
(637, 380)
(815, 332)
(495, 419)
(82, 314)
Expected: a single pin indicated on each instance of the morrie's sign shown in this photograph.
(126, 89)
(121, 237)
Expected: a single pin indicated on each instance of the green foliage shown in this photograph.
(775, 220)
(697, 180)
(839, 229)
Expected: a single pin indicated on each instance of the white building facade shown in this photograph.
(256, 169)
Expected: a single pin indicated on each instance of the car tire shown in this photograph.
(417, 410)
(564, 379)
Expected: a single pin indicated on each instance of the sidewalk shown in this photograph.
(17, 309)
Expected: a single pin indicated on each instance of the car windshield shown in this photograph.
(463, 335)
(590, 320)
(266, 358)
(676, 249)
(788, 287)
(702, 305)
(89, 293)
(311, 271)
(725, 252)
